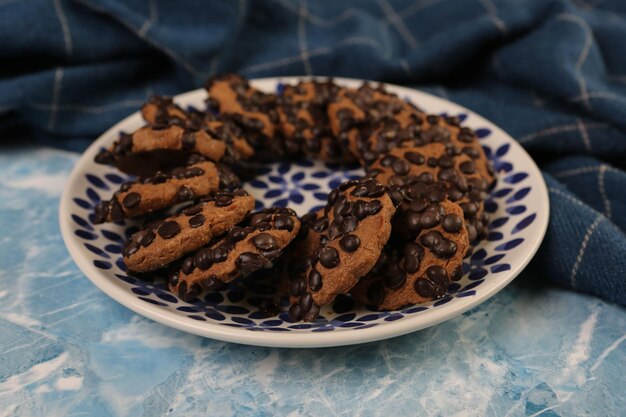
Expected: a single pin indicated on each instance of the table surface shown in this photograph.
(66, 349)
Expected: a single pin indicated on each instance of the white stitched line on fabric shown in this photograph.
(584, 94)
(583, 248)
(169, 52)
(316, 20)
(56, 93)
(152, 19)
(357, 40)
(570, 198)
(568, 17)
(588, 35)
(395, 20)
(87, 109)
(492, 12)
(599, 94)
(67, 35)
(304, 55)
(605, 198)
(560, 129)
(606, 353)
(584, 170)
(584, 134)
(416, 7)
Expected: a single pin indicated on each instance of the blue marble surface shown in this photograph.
(66, 349)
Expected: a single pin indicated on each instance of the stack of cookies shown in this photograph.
(395, 237)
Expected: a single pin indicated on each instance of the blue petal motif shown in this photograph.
(502, 150)
(483, 133)
(257, 184)
(296, 197)
(298, 176)
(515, 178)
(273, 193)
(524, 223)
(96, 182)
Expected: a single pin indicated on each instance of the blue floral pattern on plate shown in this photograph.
(303, 185)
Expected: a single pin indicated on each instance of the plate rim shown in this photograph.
(297, 339)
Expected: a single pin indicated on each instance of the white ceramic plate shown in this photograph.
(518, 206)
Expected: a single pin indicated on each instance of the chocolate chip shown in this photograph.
(350, 243)
(315, 280)
(125, 142)
(342, 207)
(424, 288)
(429, 219)
(131, 200)
(369, 188)
(188, 140)
(184, 193)
(312, 314)
(210, 283)
(193, 172)
(320, 225)
(400, 167)
(223, 200)
(431, 239)
(444, 249)
(360, 209)
(376, 293)
(436, 194)
(412, 259)
(257, 218)
(306, 301)
(197, 221)
(169, 229)
(146, 239)
(412, 222)
(373, 207)
(469, 209)
(468, 167)
(193, 210)
(173, 279)
(203, 259)
(249, 262)
(348, 224)
(188, 294)
(457, 274)
(282, 222)
(414, 158)
(452, 223)
(264, 241)
(297, 287)
(471, 232)
(433, 162)
(115, 211)
(188, 266)
(329, 257)
(220, 253)
(237, 234)
(295, 313)
(439, 277)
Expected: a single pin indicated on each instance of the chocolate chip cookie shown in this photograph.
(148, 150)
(163, 190)
(425, 253)
(244, 250)
(355, 229)
(303, 114)
(167, 240)
(355, 113)
(254, 112)
(446, 164)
